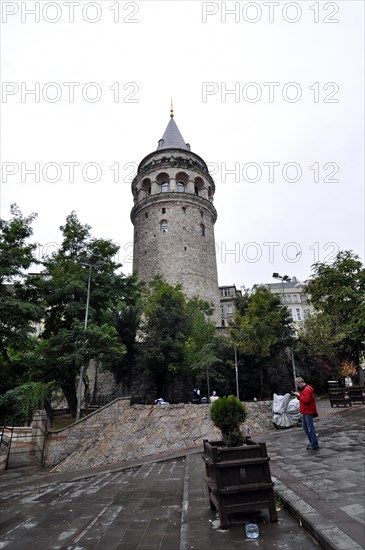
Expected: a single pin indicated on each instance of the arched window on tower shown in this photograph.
(181, 186)
(198, 185)
(163, 180)
(146, 187)
(202, 230)
(164, 226)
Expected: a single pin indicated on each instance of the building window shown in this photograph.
(287, 299)
(146, 215)
(229, 309)
(180, 186)
(164, 187)
(299, 316)
(149, 190)
(290, 312)
(183, 210)
(163, 211)
(164, 226)
(295, 299)
(222, 310)
(227, 291)
(202, 230)
(196, 190)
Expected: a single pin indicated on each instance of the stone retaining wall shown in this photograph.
(118, 432)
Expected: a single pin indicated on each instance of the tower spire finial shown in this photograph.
(171, 110)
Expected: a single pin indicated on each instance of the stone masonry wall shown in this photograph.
(119, 432)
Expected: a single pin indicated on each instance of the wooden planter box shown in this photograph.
(340, 397)
(238, 479)
(357, 394)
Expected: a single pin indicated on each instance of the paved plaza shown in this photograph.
(162, 503)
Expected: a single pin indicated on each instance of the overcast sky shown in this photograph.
(285, 147)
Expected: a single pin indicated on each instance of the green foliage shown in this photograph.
(18, 404)
(176, 336)
(164, 329)
(337, 293)
(318, 343)
(127, 312)
(70, 337)
(261, 329)
(200, 352)
(228, 413)
(17, 314)
(263, 325)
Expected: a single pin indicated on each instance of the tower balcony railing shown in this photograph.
(174, 196)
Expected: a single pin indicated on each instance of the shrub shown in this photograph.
(228, 413)
(18, 404)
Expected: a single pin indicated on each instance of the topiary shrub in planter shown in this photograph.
(228, 413)
(237, 470)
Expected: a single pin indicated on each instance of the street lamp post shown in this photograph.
(79, 387)
(286, 278)
(236, 369)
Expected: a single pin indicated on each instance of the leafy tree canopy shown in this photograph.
(337, 292)
(261, 325)
(17, 314)
(78, 290)
(176, 334)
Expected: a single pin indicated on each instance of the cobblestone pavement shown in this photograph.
(325, 488)
(161, 503)
(157, 506)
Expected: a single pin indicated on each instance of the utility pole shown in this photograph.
(79, 387)
(236, 369)
(288, 280)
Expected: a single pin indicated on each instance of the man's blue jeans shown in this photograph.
(308, 427)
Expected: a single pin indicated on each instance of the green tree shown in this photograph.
(127, 312)
(62, 290)
(163, 332)
(337, 292)
(201, 355)
(261, 328)
(176, 345)
(17, 405)
(317, 353)
(17, 315)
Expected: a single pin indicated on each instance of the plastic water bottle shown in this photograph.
(252, 530)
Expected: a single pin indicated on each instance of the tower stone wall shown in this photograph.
(173, 217)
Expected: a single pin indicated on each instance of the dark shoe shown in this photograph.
(310, 448)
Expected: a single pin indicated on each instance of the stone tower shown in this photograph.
(173, 217)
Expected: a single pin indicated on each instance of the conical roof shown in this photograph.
(172, 138)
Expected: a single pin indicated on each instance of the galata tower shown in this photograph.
(173, 218)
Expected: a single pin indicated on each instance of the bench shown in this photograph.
(340, 397)
(357, 394)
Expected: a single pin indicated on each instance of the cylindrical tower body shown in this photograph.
(174, 217)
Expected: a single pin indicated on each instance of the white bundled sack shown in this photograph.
(285, 411)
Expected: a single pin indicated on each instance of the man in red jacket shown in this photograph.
(308, 409)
